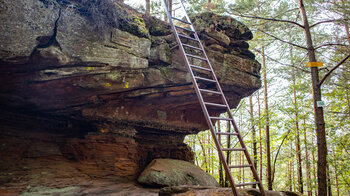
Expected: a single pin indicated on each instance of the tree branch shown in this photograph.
(283, 40)
(285, 64)
(269, 19)
(279, 148)
(334, 68)
(329, 44)
(326, 21)
(344, 148)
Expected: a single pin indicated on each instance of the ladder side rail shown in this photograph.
(209, 122)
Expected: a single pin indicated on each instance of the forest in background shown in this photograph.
(278, 121)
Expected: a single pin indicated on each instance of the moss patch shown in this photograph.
(71, 190)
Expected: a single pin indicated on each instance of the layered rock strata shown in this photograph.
(96, 87)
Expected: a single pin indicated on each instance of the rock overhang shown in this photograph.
(121, 70)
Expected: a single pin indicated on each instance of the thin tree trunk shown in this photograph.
(289, 176)
(348, 101)
(205, 163)
(260, 139)
(209, 152)
(148, 7)
(329, 185)
(255, 153)
(241, 160)
(319, 118)
(268, 153)
(346, 23)
(221, 174)
(297, 137)
(314, 167)
(228, 154)
(170, 6)
(291, 168)
(308, 178)
(335, 172)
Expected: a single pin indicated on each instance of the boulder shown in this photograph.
(170, 172)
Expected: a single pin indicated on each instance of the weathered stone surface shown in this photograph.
(225, 31)
(41, 151)
(231, 27)
(22, 29)
(171, 172)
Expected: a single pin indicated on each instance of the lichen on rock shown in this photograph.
(170, 172)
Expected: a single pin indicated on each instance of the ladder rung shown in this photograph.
(187, 37)
(233, 149)
(219, 118)
(205, 79)
(184, 28)
(197, 57)
(181, 20)
(172, 48)
(226, 133)
(193, 47)
(246, 184)
(215, 104)
(202, 68)
(239, 166)
(209, 91)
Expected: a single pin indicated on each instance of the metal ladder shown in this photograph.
(192, 50)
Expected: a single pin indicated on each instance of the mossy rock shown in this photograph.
(225, 24)
(157, 27)
(171, 172)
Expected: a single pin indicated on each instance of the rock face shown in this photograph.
(170, 172)
(95, 87)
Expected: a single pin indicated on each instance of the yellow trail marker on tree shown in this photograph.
(314, 64)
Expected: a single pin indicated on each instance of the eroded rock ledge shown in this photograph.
(95, 85)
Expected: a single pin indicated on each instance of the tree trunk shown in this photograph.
(348, 100)
(148, 7)
(314, 167)
(297, 137)
(268, 153)
(221, 172)
(335, 172)
(329, 185)
(260, 139)
(170, 6)
(255, 153)
(346, 23)
(289, 175)
(228, 154)
(205, 163)
(241, 159)
(291, 169)
(319, 118)
(308, 178)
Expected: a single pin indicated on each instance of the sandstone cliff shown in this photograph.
(94, 89)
